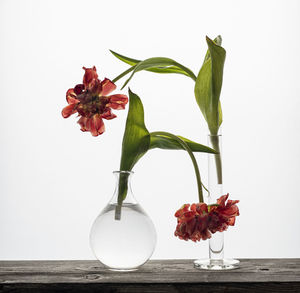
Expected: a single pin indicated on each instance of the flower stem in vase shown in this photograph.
(215, 144)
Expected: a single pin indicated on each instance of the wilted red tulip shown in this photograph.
(192, 223)
(223, 215)
(199, 220)
(92, 103)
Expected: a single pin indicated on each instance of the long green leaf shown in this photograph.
(157, 62)
(136, 142)
(167, 143)
(209, 83)
(136, 139)
(132, 62)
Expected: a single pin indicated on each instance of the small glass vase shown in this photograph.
(123, 237)
(216, 260)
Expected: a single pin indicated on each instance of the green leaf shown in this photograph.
(158, 62)
(136, 139)
(167, 143)
(209, 83)
(132, 62)
(218, 41)
(125, 59)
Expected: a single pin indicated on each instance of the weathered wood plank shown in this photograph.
(254, 275)
(153, 288)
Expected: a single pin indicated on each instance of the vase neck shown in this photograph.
(124, 178)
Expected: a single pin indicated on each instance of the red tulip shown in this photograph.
(198, 221)
(92, 103)
(192, 223)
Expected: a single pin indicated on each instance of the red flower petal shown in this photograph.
(82, 122)
(201, 208)
(89, 77)
(183, 209)
(230, 211)
(117, 102)
(231, 221)
(95, 125)
(108, 115)
(69, 110)
(78, 89)
(71, 97)
(222, 199)
(191, 225)
(107, 87)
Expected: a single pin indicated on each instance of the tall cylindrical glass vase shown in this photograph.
(216, 260)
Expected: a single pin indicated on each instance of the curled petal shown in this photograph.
(183, 209)
(200, 208)
(96, 87)
(117, 102)
(107, 87)
(231, 203)
(232, 211)
(71, 97)
(108, 115)
(95, 125)
(69, 110)
(82, 122)
(78, 89)
(89, 77)
(222, 199)
(231, 221)
(190, 226)
(188, 215)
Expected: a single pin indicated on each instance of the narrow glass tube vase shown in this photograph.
(125, 242)
(216, 260)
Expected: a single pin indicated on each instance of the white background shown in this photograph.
(55, 179)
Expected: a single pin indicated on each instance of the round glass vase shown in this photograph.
(123, 236)
(216, 260)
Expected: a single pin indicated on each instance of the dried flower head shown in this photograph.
(92, 102)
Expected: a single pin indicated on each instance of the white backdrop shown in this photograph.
(55, 179)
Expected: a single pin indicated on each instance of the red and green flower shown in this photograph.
(92, 102)
(198, 221)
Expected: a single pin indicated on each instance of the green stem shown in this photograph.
(187, 148)
(218, 160)
(123, 74)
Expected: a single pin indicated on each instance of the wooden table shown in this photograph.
(254, 275)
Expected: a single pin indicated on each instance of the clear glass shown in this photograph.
(216, 260)
(123, 237)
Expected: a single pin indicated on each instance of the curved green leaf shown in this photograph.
(158, 62)
(218, 41)
(132, 62)
(209, 83)
(125, 59)
(136, 139)
(167, 143)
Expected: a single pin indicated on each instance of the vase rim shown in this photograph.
(123, 172)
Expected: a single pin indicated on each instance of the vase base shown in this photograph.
(123, 270)
(216, 265)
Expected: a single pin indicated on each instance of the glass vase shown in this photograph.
(216, 260)
(123, 236)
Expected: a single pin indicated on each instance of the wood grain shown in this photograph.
(254, 275)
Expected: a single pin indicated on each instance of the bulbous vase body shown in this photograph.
(123, 236)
